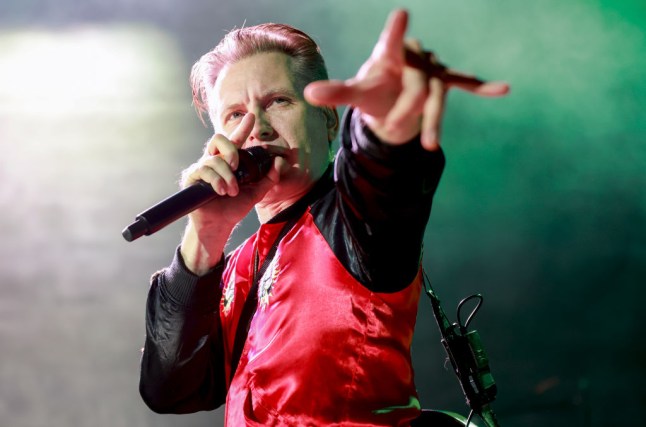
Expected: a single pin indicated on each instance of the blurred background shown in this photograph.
(542, 207)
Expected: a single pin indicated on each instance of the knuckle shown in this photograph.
(228, 154)
(188, 175)
(214, 144)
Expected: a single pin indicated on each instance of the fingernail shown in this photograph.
(234, 190)
(220, 189)
(429, 140)
(428, 137)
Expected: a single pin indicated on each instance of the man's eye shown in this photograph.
(236, 115)
(280, 100)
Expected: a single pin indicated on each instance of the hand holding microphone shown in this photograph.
(254, 163)
(226, 172)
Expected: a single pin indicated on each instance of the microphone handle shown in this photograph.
(254, 164)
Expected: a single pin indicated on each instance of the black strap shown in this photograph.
(251, 303)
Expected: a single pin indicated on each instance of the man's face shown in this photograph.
(264, 84)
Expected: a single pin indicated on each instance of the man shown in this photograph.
(308, 322)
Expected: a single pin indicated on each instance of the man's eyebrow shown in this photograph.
(280, 91)
(229, 107)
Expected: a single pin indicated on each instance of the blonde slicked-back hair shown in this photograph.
(308, 64)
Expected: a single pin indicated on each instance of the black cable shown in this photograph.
(464, 327)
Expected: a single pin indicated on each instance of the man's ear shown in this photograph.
(331, 122)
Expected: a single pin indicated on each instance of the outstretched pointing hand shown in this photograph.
(401, 89)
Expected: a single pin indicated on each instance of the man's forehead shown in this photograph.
(263, 72)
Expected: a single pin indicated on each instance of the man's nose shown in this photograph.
(262, 128)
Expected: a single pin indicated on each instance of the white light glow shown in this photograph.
(79, 70)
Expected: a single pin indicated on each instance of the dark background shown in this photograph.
(542, 207)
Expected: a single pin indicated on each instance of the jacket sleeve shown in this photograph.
(386, 196)
(182, 368)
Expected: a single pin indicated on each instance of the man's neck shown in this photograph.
(282, 197)
(269, 211)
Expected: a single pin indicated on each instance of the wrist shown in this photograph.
(202, 250)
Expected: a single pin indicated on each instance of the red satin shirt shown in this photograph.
(322, 349)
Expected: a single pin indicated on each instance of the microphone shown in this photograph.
(254, 164)
(467, 356)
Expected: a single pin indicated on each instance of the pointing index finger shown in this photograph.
(227, 146)
(242, 132)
